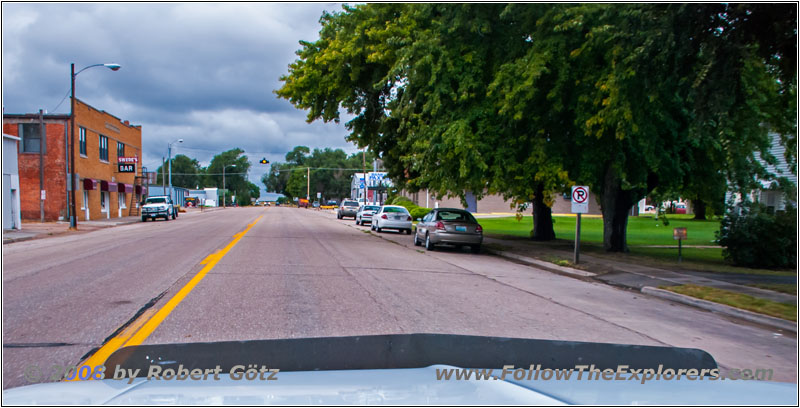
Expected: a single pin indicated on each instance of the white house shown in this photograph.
(770, 195)
(374, 180)
(11, 205)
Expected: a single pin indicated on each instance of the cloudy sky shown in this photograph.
(204, 72)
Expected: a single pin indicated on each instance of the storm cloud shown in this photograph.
(204, 72)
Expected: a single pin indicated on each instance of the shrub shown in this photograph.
(754, 237)
(419, 212)
(400, 200)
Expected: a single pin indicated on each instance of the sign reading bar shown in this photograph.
(126, 168)
(580, 199)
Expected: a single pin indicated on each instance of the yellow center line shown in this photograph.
(133, 337)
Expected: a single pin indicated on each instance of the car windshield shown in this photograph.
(488, 162)
(395, 210)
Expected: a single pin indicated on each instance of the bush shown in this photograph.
(419, 212)
(400, 200)
(756, 238)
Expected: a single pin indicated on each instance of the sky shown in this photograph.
(203, 72)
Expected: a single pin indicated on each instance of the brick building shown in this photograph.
(100, 140)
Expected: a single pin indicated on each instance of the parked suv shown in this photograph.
(349, 208)
(157, 207)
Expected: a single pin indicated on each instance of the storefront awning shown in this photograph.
(108, 186)
(125, 188)
(89, 184)
(141, 190)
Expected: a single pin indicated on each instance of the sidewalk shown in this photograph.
(641, 278)
(34, 230)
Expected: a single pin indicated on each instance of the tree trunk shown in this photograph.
(542, 218)
(616, 204)
(699, 208)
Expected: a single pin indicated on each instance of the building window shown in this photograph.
(120, 149)
(103, 148)
(30, 133)
(82, 140)
(103, 202)
(121, 197)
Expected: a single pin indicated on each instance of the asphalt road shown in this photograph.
(302, 273)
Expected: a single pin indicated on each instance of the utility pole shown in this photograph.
(308, 183)
(223, 186)
(42, 139)
(163, 181)
(73, 218)
(364, 163)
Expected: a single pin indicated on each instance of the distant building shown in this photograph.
(179, 194)
(770, 194)
(374, 189)
(11, 203)
(107, 155)
(208, 197)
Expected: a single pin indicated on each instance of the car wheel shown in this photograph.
(408, 231)
(476, 249)
(358, 222)
(166, 218)
(379, 229)
(173, 216)
(338, 216)
(144, 219)
(428, 243)
(416, 240)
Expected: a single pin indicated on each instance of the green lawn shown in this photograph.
(643, 230)
(742, 301)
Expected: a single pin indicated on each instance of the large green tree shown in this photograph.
(186, 172)
(236, 166)
(527, 99)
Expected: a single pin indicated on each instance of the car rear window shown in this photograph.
(350, 204)
(395, 210)
(455, 216)
(371, 208)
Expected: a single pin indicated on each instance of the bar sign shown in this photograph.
(126, 168)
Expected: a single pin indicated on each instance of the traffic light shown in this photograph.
(264, 161)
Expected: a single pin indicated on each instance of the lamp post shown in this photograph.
(73, 218)
(224, 191)
(169, 148)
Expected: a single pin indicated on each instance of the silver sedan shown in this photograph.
(365, 213)
(450, 226)
(392, 217)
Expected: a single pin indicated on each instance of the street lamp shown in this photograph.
(169, 148)
(224, 191)
(73, 218)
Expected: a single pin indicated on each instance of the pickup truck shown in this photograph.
(302, 203)
(158, 207)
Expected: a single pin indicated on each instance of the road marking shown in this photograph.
(143, 327)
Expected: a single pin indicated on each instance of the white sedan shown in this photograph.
(365, 213)
(392, 217)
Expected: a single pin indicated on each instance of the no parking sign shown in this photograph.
(580, 199)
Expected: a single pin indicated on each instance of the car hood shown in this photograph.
(396, 369)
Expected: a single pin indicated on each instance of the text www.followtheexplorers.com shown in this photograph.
(590, 373)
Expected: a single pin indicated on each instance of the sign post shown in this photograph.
(580, 205)
(680, 235)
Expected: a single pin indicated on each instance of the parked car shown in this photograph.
(302, 203)
(315, 204)
(157, 207)
(680, 208)
(349, 208)
(451, 226)
(365, 213)
(392, 217)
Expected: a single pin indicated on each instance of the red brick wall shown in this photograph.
(54, 172)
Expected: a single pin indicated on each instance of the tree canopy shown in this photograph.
(526, 100)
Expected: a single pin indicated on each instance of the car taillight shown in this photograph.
(409, 218)
(478, 229)
(384, 217)
(439, 225)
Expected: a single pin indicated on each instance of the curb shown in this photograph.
(542, 264)
(722, 309)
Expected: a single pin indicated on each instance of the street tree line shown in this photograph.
(331, 173)
(526, 100)
(188, 173)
